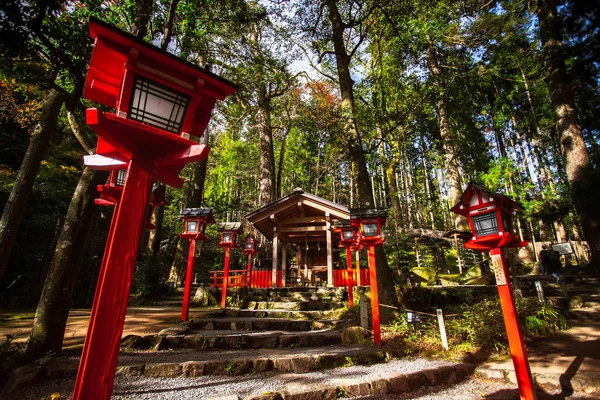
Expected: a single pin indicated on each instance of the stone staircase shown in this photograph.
(286, 333)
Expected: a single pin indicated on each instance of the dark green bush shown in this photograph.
(481, 324)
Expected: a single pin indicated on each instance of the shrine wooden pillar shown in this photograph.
(329, 251)
(283, 263)
(275, 260)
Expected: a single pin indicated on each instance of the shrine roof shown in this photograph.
(298, 215)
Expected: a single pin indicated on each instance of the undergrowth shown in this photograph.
(479, 326)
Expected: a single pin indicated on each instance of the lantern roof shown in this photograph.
(342, 223)
(473, 189)
(358, 213)
(229, 227)
(112, 52)
(204, 213)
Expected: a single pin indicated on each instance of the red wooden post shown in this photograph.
(98, 361)
(249, 269)
(185, 307)
(349, 279)
(374, 296)
(358, 277)
(225, 279)
(513, 329)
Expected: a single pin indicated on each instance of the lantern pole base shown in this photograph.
(374, 296)
(513, 329)
(95, 376)
(185, 307)
(225, 279)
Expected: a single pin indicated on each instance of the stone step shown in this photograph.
(248, 324)
(177, 363)
(287, 314)
(276, 377)
(293, 305)
(232, 340)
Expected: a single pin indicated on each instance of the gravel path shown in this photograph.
(139, 388)
(473, 389)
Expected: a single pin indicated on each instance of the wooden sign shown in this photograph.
(496, 266)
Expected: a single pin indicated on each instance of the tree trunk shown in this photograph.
(154, 235)
(450, 157)
(265, 131)
(55, 301)
(385, 281)
(575, 153)
(141, 17)
(23, 186)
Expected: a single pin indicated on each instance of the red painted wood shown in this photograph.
(249, 269)
(189, 274)
(95, 376)
(225, 279)
(349, 280)
(515, 337)
(374, 296)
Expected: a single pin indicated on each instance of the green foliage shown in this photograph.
(481, 324)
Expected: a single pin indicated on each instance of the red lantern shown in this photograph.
(229, 232)
(195, 221)
(490, 218)
(159, 100)
(250, 245)
(369, 222)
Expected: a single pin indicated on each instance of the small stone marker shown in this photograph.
(365, 311)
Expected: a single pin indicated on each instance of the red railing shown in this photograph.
(262, 278)
(239, 278)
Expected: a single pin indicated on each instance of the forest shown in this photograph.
(366, 103)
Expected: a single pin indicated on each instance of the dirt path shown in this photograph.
(138, 321)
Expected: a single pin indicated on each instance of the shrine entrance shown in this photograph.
(304, 246)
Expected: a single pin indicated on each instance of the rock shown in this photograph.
(355, 335)
(262, 365)
(130, 370)
(265, 396)
(21, 377)
(353, 387)
(380, 387)
(417, 380)
(193, 368)
(298, 391)
(398, 383)
(163, 370)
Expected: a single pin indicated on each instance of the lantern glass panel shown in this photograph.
(157, 105)
(370, 230)
(121, 175)
(348, 235)
(485, 224)
(202, 227)
(192, 226)
(227, 237)
(249, 245)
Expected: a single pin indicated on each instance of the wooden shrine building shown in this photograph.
(304, 223)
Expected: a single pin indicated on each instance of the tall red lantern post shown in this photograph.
(490, 219)
(195, 221)
(159, 100)
(250, 249)
(229, 232)
(349, 236)
(369, 222)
